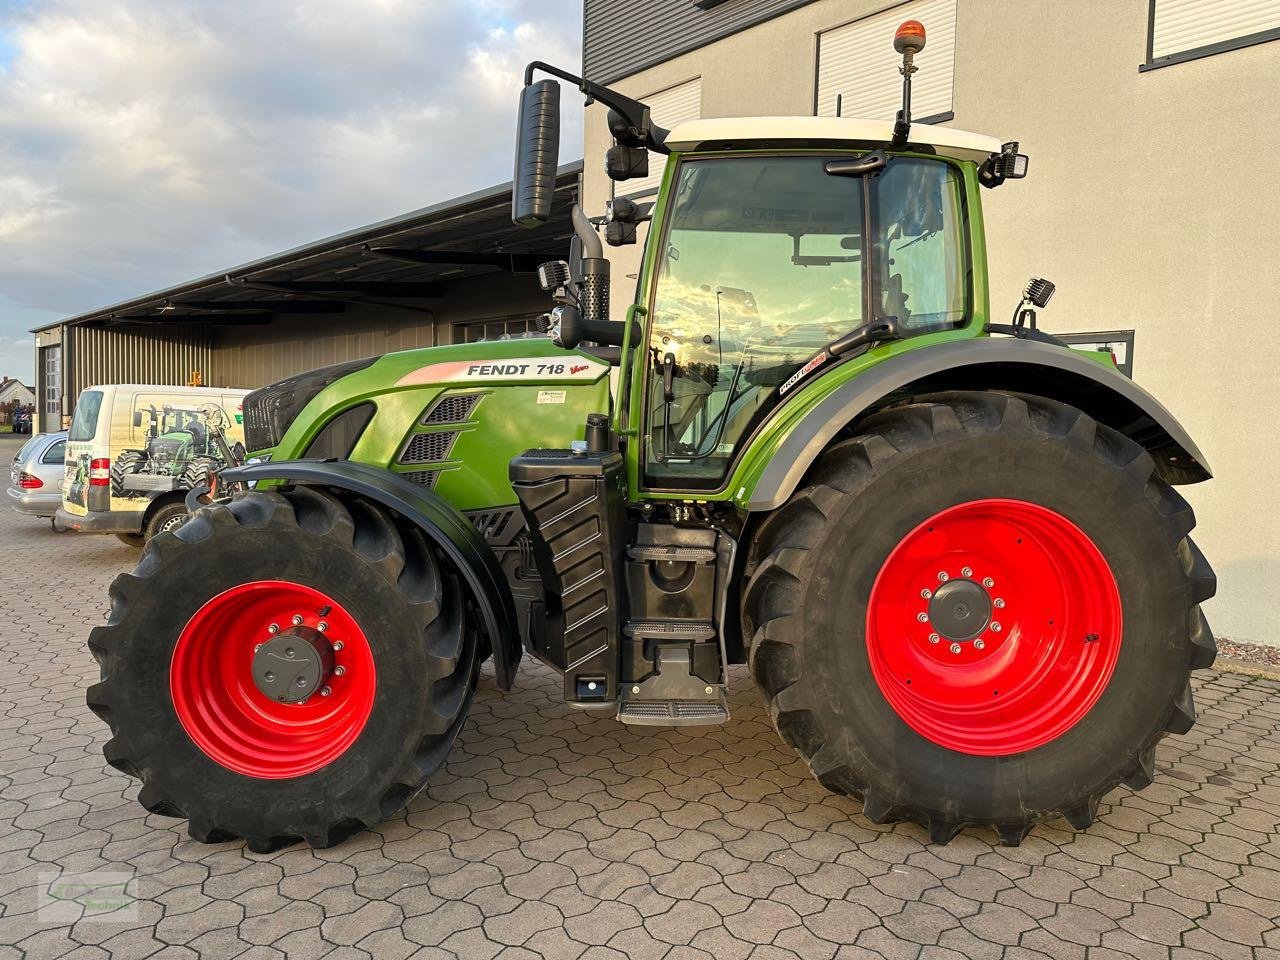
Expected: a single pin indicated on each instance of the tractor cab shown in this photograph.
(778, 247)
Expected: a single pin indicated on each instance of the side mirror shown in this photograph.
(137, 418)
(537, 154)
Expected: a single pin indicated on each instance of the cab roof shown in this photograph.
(740, 132)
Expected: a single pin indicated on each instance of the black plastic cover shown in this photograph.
(339, 436)
(574, 506)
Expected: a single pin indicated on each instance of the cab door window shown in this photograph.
(765, 260)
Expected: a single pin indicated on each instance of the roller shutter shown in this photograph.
(1178, 26)
(857, 62)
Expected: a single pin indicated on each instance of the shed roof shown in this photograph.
(404, 259)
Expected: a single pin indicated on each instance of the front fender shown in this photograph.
(438, 519)
(984, 363)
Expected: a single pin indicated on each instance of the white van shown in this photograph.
(134, 451)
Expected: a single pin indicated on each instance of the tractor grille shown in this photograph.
(269, 411)
(425, 477)
(428, 447)
(455, 409)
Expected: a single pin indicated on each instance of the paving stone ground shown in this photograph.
(555, 834)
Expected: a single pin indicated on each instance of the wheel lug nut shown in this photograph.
(301, 681)
(337, 646)
(934, 638)
(325, 691)
(966, 572)
(979, 644)
(995, 626)
(955, 648)
(922, 617)
(322, 626)
(297, 619)
(999, 604)
(926, 593)
(988, 583)
(942, 576)
(339, 671)
(273, 629)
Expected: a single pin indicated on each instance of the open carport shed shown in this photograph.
(451, 272)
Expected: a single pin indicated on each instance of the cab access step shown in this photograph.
(629, 609)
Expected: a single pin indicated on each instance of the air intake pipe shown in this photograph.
(593, 270)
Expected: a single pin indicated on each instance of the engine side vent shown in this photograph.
(452, 409)
(494, 525)
(425, 477)
(428, 447)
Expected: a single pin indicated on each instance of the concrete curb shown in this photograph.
(1248, 668)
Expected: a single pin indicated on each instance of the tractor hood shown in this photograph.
(391, 411)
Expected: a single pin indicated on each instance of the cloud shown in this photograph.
(144, 142)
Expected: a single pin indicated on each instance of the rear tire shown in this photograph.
(164, 519)
(271, 772)
(834, 614)
(134, 540)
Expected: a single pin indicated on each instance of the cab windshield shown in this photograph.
(765, 261)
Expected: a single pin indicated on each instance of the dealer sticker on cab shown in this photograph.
(516, 368)
(552, 396)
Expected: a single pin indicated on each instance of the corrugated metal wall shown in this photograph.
(251, 357)
(160, 355)
(621, 37)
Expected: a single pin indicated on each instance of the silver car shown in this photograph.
(37, 473)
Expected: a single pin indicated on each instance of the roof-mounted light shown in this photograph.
(908, 40)
(1008, 164)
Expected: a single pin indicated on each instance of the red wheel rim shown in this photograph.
(1042, 656)
(233, 722)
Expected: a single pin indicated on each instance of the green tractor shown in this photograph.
(180, 452)
(949, 549)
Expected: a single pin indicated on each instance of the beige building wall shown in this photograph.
(1152, 202)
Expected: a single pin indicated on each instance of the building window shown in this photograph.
(503, 328)
(1181, 30)
(858, 68)
(668, 107)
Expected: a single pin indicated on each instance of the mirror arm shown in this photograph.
(634, 113)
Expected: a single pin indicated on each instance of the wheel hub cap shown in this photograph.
(993, 627)
(293, 665)
(960, 610)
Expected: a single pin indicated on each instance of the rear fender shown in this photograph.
(451, 532)
(985, 363)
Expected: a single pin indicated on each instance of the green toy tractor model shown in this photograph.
(949, 549)
(180, 452)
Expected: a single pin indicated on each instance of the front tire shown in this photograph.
(982, 610)
(182, 685)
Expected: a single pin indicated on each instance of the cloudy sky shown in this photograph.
(145, 142)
